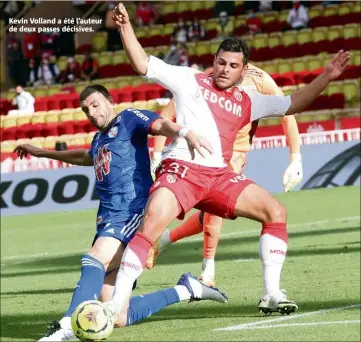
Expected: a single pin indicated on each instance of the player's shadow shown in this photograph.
(237, 308)
(190, 252)
(10, 294)
(28, 326)
(34, 326)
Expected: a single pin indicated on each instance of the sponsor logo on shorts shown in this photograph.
(99, 220)
(130, 265)
(156, 184)
(238, 178)
(113, 132)
(277, 251)
(171, 179)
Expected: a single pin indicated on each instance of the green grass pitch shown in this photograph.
(40, 262)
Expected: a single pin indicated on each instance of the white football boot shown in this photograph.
(57, 333)
(277, 302)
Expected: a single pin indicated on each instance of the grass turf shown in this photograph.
(40, 261)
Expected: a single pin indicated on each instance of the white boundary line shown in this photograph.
(285, 318)
(302, 324)
(241, 232)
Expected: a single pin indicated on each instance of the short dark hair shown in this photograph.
(235, 45)
(94, 88)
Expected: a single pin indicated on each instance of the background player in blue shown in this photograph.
(120, 156)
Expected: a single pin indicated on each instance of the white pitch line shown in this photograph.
(286, 318)
(244, 260)
(270, 326)
(241, 232)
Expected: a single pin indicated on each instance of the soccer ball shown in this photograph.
(93, 321)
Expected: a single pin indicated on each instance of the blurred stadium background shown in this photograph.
(294, 57)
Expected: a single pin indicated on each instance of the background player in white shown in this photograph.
(216, 108)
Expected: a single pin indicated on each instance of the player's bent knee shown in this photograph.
(277, 213)
(105, 249)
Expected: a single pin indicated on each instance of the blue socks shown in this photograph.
(90, 283)
(144, 306)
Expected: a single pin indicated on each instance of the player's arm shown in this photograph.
(153, 68)
(135, 52)
(266, 105)
(76, 157)
(172, 130)
(303, 97)
(168, 113)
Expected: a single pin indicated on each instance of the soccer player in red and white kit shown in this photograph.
(215, 108)
(254, 79)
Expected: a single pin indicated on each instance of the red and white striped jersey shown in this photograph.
(215, 114)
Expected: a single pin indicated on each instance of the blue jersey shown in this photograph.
(122, 168)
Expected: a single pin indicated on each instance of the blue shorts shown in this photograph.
(121, 229)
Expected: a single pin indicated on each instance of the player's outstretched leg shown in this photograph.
(258, 204)
(93, 268)
(156, 217)
(192, 226)
(188, 288)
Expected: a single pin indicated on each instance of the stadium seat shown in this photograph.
(54, 89)
(351, 89)
(334, 88)
(315, 11)
(40, 91)
(260, 41)
(330, 10)
(62, 62)
(105, 60)
(284, 66)
(314, 63)
(38, 141)
(334, 32)
(202, 48)
(23, 120)
(63, 117)
(118, 57)
(8, 122)
(304, 36)
(351, 31)
(299, 65)
(168, 7)
(99, 41)
(89, 138)
(168, 29)
(8, 146)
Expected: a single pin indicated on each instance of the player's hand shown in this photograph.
(294, 173)
(120, 15)
(198, 143)
(25, 149)
(338, 65)
(155, 161)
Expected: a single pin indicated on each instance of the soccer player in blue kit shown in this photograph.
(120, 156)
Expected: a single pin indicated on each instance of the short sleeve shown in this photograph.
(170, 76)
(268, 105)
(270, 87)
(137, 120)
(91, 149)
